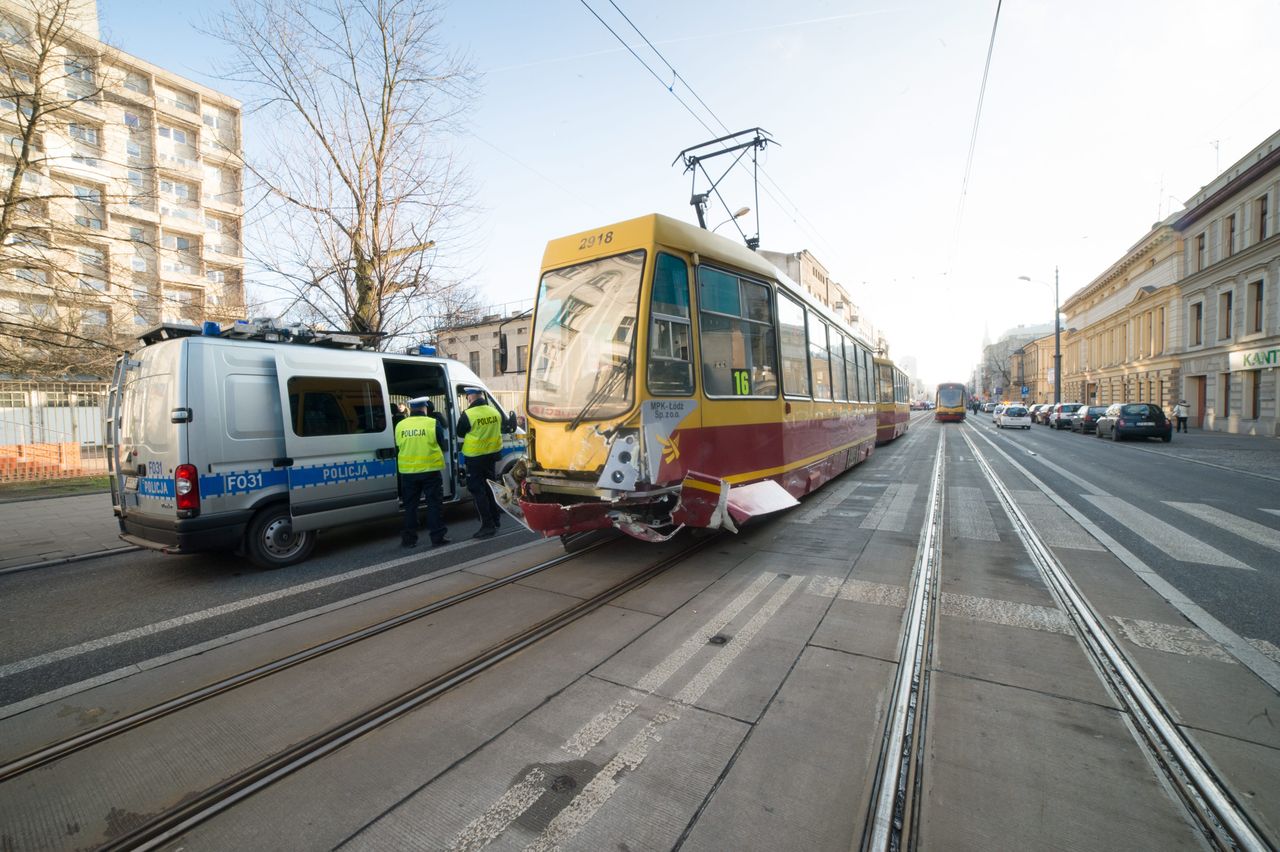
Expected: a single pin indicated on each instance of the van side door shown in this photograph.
(341, 448)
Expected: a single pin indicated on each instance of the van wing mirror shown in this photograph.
(510, 422)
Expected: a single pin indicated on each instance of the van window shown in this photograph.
(253, 407)
(327, 406)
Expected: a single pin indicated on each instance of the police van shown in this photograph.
(255, 438)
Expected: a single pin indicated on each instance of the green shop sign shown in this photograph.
(1254, 359)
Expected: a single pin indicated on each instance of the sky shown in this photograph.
(1098, 119)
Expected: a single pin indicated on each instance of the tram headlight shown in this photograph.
(622, 470)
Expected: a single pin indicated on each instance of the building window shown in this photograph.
(1229, 235)
(78, 71)
(1224, 315)
(1262, 218)
(92, 256)
(473, 361)
(1224, 391)
(522, 358)
(83, 133)
(1197, 323)
(1200, 252)
(136, 82)
(497, 367)
(132, 121)
(138, 235)
(94, 318)
(1254, 319)
(91, 282)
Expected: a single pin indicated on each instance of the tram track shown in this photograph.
(1205, 795)
(200, 805)
(895, 796)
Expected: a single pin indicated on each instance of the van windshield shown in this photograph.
(583, 337)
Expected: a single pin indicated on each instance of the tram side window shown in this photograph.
(795, 361)
(865, 371)
(736, 334)
(886, 383)
(819, 358)
(851, 350)
(670, 356)
(837, 365)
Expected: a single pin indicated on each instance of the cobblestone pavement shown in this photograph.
(1247, 453)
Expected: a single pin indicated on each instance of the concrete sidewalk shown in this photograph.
(56, 528)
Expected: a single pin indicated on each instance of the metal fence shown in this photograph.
(51, 430)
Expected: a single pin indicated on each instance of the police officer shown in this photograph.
(480, 427)
(420, 460)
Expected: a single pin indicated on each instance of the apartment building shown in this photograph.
(1229, 316)
(1120, 343)
(129, 209)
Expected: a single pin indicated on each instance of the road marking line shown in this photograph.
(1171, 639)
(1165, 537)
(234, 606)
(970, 517)
(824, 587)
(890, 514)
(1055, 526)
(1267, 669)
(1242, 527)
(1272, 511)
(677, 658)
(824, 506)
(593, 796)
(1008, 613)
(880, 594)
(518, 799)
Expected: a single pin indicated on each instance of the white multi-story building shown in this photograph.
(130, 209)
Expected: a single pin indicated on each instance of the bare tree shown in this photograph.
(357, 178)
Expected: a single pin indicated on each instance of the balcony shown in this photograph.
(189, 166)
(176, 211)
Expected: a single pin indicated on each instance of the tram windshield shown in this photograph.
(950, 396)
(582, 365)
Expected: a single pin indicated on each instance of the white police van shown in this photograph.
(255, 438)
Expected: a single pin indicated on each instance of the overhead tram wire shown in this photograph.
(813, 229)
(973, 138)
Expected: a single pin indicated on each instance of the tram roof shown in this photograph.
(664, 230)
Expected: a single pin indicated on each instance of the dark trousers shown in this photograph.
(412, 487)
(480, 469)
(1182, 424)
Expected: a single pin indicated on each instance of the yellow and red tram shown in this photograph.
(949, 404)
(676, 378)
(893, 409)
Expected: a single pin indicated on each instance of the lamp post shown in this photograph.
(742, 211)
(1057, 335)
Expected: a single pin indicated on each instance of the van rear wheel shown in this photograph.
(271, 542)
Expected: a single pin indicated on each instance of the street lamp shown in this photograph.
(742, 211)
(1057, 335)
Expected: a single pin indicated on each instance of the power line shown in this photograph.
(973, 137)
(813, 229)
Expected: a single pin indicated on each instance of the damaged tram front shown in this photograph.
(654, 398)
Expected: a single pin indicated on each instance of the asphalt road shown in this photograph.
(1213, 533)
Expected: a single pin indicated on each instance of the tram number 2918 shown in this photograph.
(602, 238)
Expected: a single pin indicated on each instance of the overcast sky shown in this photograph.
(1100, 117)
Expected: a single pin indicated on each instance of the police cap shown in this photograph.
(473, 390)
(421, 402)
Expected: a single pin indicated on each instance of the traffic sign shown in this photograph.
(1025, 390)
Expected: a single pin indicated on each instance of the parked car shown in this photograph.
(1060, 417)
(995, 413)
(988, 407)
(1038, 412)
(1134, 420)
(1014, 417)
(1086, 419)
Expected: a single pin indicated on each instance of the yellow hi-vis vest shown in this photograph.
(485, 434)
(419, 452)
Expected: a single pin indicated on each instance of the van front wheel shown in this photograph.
(271, 542)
